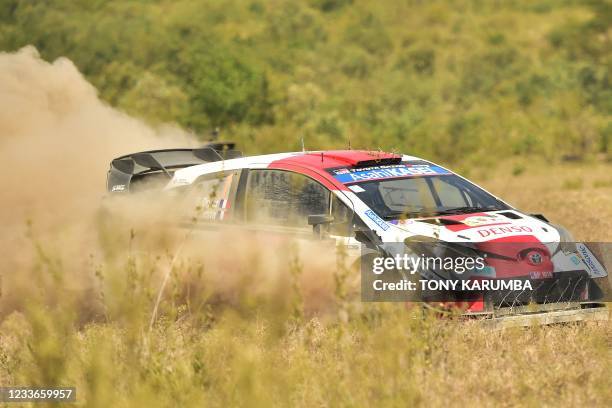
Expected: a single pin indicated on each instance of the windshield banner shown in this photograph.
(353, 175)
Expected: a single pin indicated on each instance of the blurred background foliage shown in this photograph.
(473, 80)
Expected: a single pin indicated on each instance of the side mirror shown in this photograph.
(318, 221)
(362, 237)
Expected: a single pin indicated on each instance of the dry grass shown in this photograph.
(577, 195)
(244, 319)
(257, 325)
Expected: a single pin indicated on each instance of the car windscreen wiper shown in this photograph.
(466, 210)
(394, 215)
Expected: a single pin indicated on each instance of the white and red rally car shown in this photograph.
(369, 199)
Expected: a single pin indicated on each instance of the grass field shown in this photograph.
(575, 195)
(500, 91)
(251, 325)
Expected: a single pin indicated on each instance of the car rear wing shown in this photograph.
(142, 170)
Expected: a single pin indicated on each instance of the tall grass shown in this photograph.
(247, 320)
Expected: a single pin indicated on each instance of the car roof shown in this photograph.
(312, 163)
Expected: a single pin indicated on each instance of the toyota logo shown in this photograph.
(535, 258)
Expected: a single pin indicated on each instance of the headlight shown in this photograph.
(567, 242)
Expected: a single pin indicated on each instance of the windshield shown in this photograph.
(417, 189)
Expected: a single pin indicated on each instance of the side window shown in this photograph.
(343, 218)
(210, 196)
(284, 198)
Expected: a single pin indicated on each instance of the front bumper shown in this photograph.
(524, 316)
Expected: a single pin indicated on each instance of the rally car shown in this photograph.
(373, 201)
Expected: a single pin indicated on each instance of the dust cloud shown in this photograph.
(56, 141)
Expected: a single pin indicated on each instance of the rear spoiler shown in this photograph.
(128, 173)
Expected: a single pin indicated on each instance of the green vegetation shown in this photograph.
(443, 79)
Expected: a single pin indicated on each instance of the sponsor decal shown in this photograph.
(595, 269)
(180, 181)
(540, 275)
(387, 172)
(356, 189)
(494, 231)
(574, 259)
(223, 205)
(379, 221)
(402, 222)
(478, 220)
(118, 187)
(486, 271)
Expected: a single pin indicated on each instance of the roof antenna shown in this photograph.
(303, 148)
(349, 143)
(215, 133)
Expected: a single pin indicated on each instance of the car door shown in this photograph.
(281, 201)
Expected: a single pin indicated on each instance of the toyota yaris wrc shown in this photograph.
(382, 204)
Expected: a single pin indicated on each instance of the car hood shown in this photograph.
(507, 225)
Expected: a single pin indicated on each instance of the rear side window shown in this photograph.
(210, 196)
(284, 198)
